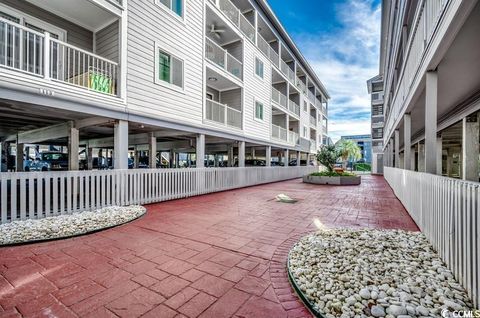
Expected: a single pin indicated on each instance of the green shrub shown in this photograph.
(327, 156)
(332, 174)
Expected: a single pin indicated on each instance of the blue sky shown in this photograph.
(340, 39)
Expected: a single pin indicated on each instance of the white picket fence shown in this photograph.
(35, 195)
(447, 211)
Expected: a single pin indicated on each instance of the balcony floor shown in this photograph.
(217, 255)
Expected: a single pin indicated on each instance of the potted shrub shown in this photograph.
(328, 156)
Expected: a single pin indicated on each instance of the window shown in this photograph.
(176, 6)
(258, 67)
(169, 68)
(258, 110)
(305, 106)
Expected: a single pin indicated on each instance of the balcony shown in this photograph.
(38, 54)
(223, 114)
(311, 96)
(220, 57)
(313, 121)
(294, 107)
(279, 98)
(236, 17)
(301, 86)
(313, 146)
(293, 138)
(287, 71)
(279, 133)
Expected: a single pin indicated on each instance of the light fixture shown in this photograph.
(213, 79)
(142, 126)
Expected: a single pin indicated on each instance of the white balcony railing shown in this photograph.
(262, 45)
(311, 96)
(301, 86)
(219, 56)
(223, 114)
(279, 98)
(273, 56)
(294, 107)
(313, 122)
(313, 146)
(237, 18)
(279, 132)
(38, 54)
(423, 27)
(293, 138)
(287, 71)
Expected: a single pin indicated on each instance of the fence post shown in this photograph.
(46, 56)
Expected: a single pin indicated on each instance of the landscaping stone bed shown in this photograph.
(67, 225)
(380, 273)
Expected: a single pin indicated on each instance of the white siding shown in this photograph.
(256, 89)
(150, 25)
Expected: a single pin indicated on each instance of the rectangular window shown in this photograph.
(176, 6)
(170, 69)
(258, 67)
(258, 110)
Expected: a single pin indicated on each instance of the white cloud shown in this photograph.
(344, 59)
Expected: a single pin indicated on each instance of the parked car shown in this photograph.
(252, 162)
(51, 161)
(277, 163)
(302, 162)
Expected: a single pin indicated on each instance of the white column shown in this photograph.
(241, 153)
(152, 151)
(470, 148)
(431, 123)
(73, 148)
(298, 158)
(200, 150)
(286, 158)
(19, 158)
(253, 153)
(407, 141)
(120, 144)
(391, 146)
(397, 148)
(268, 156)
(439, 155)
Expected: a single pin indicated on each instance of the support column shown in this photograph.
(230, 156)
(470, 148)
(407, 141)
(439, 155)
(286, 158)
(412, 159)
(268, 156)
(152, 151)
(4, 156)
(299, 159)
(241, 154)
(89, 158)
(19, 158)
(73, 148)
(391, 146)
(421, 157)
(397, 148)
(120, 144)
(200, 151)
(253, 153)
(431, 122)
(136, 159)
(449, 162)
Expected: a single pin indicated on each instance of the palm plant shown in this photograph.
(348, 150)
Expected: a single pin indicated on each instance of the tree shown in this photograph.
(348, 150)
(327, 156)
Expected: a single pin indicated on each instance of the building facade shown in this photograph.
(364, 142)
(429, 62)
(171, 80)
(375, 88)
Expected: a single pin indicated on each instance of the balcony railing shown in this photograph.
(262, 44)
(293, 137)
(273, 56)
(237, 18)
(287, 71)
(311, 96)
(313, 122)
(279, 132)
(279, 98)
(220, 57)
(223, 114)
(294, 107)
(313, 146)
(36, 53)
(301, 85)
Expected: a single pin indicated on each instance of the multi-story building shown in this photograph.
(174, 80)
(364, 142)
(375, 88)
(429, 63)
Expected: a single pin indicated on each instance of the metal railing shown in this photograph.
(219, 56)
(38, 54)
(423, 27)
(237, 18)
(223, 114)
(293, 137)
(279, 132)
(313, 121)
(301, 85)
(447, 211)
(273, 56)
(287, 71)
(294, 107)
(311, 96)
(313, 146)
(262, 45)
(247, 28)
(279, 98)
(36, 195)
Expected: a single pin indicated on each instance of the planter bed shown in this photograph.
(63, 226)
(334, 180)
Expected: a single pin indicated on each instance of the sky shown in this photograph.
(340, 39)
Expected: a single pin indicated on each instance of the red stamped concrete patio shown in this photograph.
(218, 255)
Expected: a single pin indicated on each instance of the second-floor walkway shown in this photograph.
(216, 255)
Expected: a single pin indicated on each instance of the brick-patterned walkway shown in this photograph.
(218, 255)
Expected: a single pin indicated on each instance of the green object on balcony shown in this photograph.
(100, 83)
